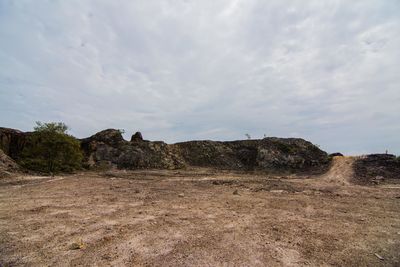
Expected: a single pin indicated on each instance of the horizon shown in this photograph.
(210, 70)
(127, 136)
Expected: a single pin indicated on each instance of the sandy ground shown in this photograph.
(198, 218)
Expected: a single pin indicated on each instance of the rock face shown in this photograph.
(375, 167)
(12, 141)
(268, 154)
(108, 148)
(137, 137)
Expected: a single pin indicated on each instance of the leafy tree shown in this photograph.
(51, 149)
(57, 127)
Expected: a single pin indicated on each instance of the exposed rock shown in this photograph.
(12, 142)
(110, 137)
(383, 166)
(7, 165)
(269, 154)
(378, 179)
(137, 137)
(109, 147)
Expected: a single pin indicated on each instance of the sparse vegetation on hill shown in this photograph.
(376, 166)
(51, 149)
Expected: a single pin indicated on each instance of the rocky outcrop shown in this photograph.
(374, 167)
(337, 154)
(12, 141)
(108, 148)
(137, 137)
(268, 154)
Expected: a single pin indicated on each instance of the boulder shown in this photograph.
(137, 137)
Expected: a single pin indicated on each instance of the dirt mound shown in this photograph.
(7, 165)
(376, 167)
(341, 171)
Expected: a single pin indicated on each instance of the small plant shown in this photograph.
(248, 136)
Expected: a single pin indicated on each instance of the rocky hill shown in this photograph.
(375, 168)
(269, 154)
(109, 149)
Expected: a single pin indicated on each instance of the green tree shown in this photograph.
(51, 149)
(57, 127)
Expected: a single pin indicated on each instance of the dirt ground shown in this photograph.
(198, 217)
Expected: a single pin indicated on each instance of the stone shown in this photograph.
(137, 137)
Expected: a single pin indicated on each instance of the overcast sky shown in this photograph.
(326, 71)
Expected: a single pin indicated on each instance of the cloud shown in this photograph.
(180, 70)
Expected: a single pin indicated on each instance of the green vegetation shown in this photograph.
(50, 149)
(286, 148)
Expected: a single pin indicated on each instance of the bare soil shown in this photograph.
(198, 217)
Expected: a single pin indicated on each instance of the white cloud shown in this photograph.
(180, 70)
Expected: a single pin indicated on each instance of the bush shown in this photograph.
(50, 149)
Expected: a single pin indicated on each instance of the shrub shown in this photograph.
(50, 149)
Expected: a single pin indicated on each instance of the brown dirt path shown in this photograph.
(341, 171)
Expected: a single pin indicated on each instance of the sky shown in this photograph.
(178, 70)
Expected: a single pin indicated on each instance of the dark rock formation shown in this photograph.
(337, 154)
(137, 137)
(376, 167)
(108, 148)
(12, 142)
(268, 154)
